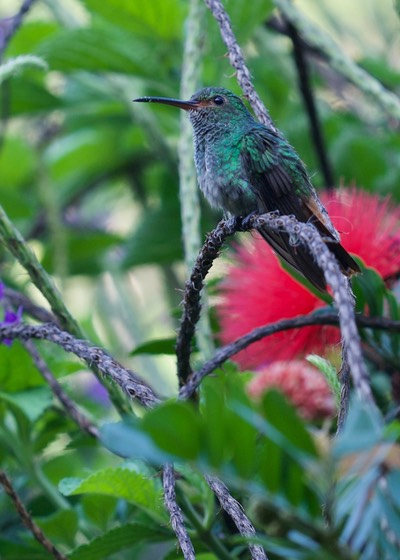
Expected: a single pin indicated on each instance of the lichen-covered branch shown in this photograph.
(192, 295)
(189, 194)
(13, 24)
(236, 512)
(176, 514)
(307, 234)
(237, 61)
(78, 417)
(92, 355)
(16, 244)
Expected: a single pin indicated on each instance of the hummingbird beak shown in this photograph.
(186, 105)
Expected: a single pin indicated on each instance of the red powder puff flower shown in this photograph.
(303, 385)
(257, 291)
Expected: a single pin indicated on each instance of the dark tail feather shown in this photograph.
(300, 258)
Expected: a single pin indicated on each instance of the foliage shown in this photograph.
(91, 181)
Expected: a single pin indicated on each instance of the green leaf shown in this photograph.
(127, 439)
(246, 16)
(31, 403)
(363, 429)
(119, 482)
(284, 418)
(158, 18)
(17, 64)
(100, 510)
(61, 527)
(329, 372)
(157, 238)
(175, 428)
(117, 540)
(157, 346)
(17, 162)
(104, 48)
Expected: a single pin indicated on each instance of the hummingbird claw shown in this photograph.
(247, 221)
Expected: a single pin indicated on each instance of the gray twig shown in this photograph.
(237, 61)
(235, 510)
(12, 25)
(92, 355)
(176, 514)
(192, 296)
(78, 417)
(307, 234)
(27, 519)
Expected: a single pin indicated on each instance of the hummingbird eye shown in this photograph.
(218, 100)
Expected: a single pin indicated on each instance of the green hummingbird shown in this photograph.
(245, 167)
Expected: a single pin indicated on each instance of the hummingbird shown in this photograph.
(245, 167)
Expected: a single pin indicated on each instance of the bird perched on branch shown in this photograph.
(245, 167)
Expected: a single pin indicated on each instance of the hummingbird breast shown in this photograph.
(221, 177)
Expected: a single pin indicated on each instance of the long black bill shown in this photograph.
(187, 105)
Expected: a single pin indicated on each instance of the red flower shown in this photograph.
(257, 291)
(303, 385)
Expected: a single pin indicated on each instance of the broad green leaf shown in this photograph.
(283, 416)
(246, 16)
(32, 402)
(30, 35)
(159, 18)
(216, 420)
(87, 252)
(28, 95)
(175, 428)
(129, 440)
(157, 346)
(60, 527)
(157, 238)
(118, 539)
(104, 48)
(363, 429)
(121, 483)
(100, 510)
(17, 162)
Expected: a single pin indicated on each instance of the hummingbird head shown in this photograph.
(211, 107)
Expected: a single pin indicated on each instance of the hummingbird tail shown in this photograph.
(300, 258)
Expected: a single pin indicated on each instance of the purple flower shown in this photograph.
(10, 318)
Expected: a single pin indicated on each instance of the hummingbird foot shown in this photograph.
(247, 221)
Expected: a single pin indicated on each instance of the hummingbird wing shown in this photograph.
(280, 181)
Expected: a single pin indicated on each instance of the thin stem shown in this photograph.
(27, 519)
(205, 534)
(176, 514)
(188, 189)
(310, 105)
(235, 510)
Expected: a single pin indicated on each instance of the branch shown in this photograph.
(78, 417)
(237, 61)
(13, 24)
(27, 519)
(188, 189)
(235, 510)
(307, 234)
(176, 514)
(311, 108)
(192, 296)
(92, 355)
(16, 244)
(17, 299)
